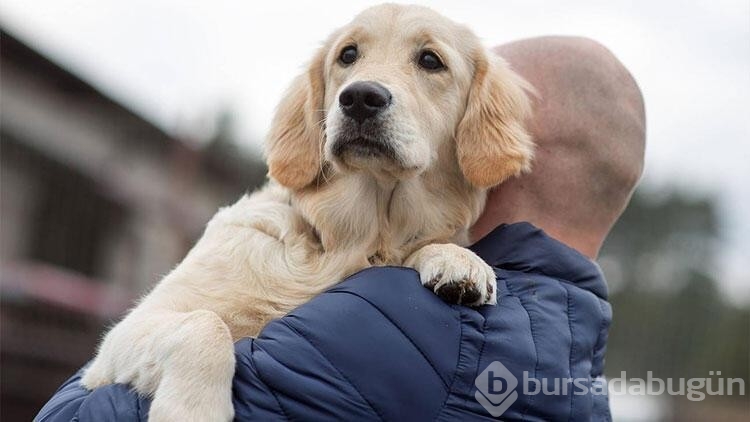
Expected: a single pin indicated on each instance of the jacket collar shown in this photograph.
(526, 248)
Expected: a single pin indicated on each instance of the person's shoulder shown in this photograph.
(378, 325)
(385, 287)
(388, 303)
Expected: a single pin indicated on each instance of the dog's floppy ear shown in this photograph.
(491, 141)
(294, 143)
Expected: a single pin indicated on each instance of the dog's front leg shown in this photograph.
(455, 274)
(184, 359)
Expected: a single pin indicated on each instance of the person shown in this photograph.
(379, 346)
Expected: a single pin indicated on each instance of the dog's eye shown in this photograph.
(430, 61)
(348, 54)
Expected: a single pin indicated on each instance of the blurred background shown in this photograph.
(124, 125)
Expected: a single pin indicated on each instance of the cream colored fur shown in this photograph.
(323, 217)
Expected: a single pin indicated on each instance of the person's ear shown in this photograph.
(492, 143)
(295, 141)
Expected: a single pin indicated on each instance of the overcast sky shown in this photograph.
(177, 61)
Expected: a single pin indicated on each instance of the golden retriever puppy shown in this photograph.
(380, 153)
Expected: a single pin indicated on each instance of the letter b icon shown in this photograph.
(496, 389)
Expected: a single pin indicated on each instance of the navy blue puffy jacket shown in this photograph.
(379, 346)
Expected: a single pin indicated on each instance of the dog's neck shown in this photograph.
(387, 219)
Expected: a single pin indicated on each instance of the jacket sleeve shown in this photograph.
(116, 402)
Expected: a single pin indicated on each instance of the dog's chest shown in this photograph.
(384, 223)
(405, 217)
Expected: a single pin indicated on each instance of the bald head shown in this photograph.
(589, 128)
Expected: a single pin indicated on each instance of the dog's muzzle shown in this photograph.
(363, 130)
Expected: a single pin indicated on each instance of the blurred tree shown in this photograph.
(224, 152)
(669, 315)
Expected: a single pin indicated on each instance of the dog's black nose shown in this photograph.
(362, 100)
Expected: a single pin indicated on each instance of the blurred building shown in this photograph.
(97, 203)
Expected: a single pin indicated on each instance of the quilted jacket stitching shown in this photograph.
(372, 407)
(247, 361)
(421, 352)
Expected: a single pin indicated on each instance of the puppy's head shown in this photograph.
(393, 91)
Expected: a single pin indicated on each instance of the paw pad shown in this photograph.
(458, 292)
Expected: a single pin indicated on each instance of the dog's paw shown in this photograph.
(455, 274)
